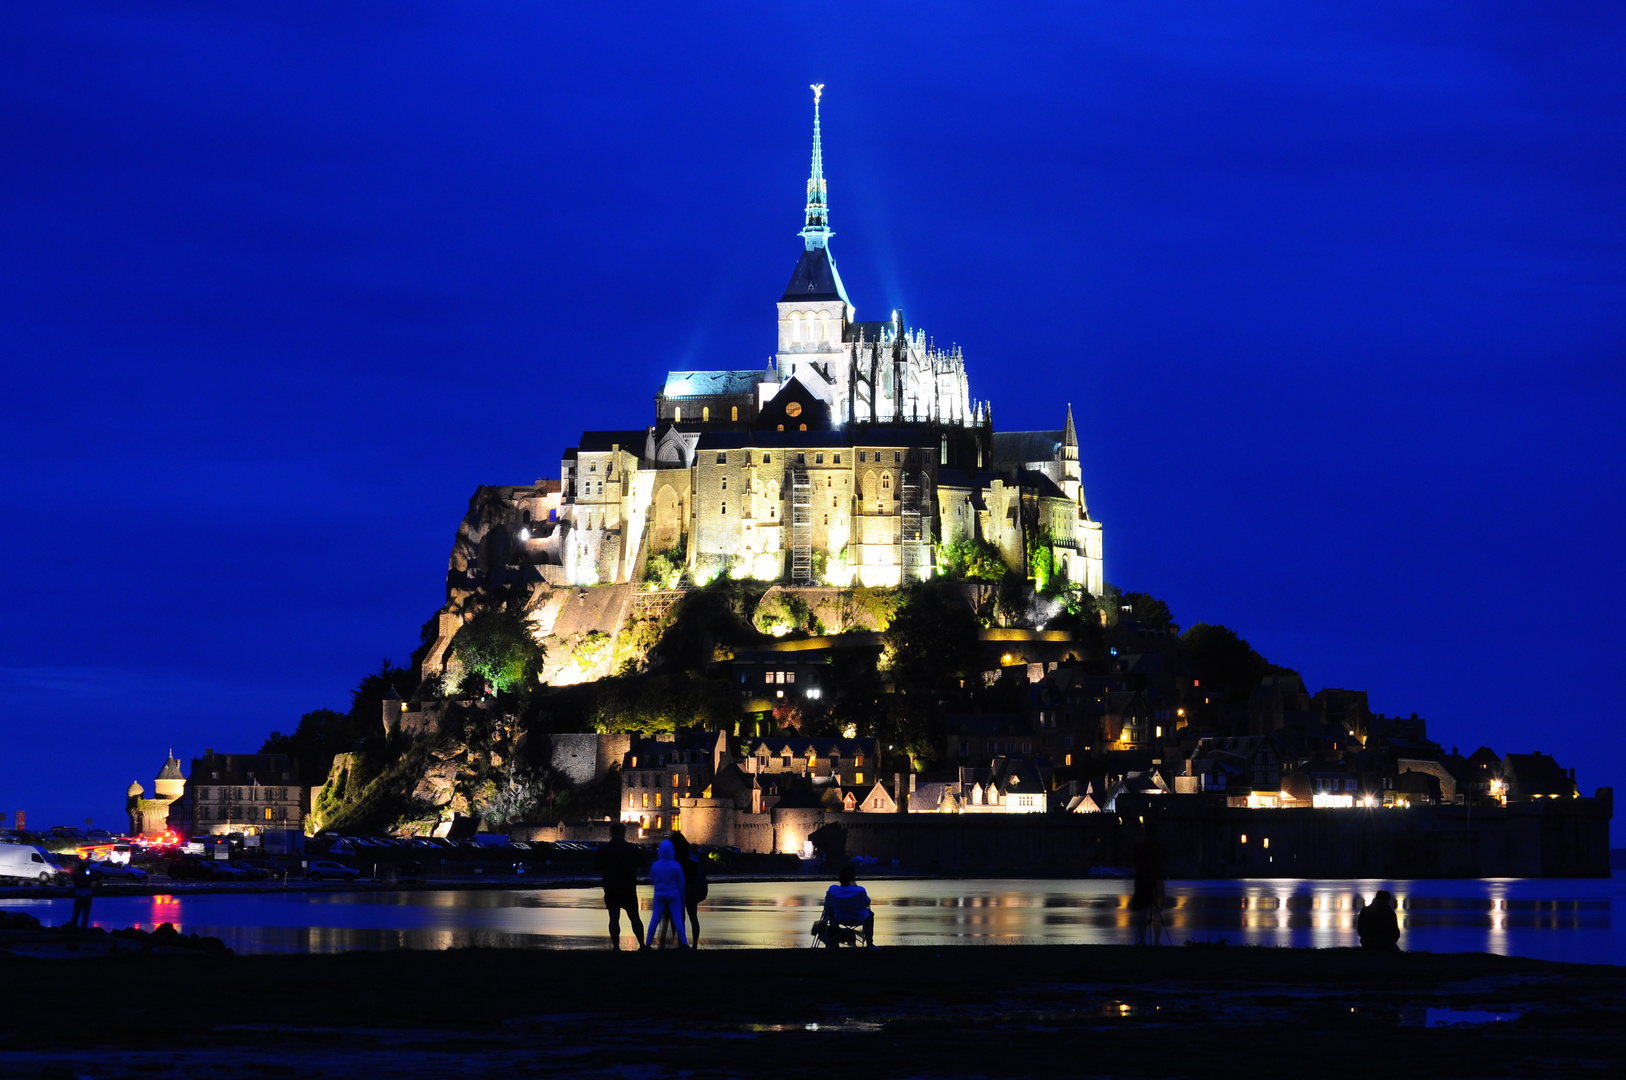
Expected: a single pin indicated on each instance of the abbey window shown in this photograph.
(705, 414)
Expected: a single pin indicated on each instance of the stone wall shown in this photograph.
(587, 757)
(1559, 839)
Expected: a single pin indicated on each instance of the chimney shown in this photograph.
(209, 752)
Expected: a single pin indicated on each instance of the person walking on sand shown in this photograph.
(1377, 924)
(694, 882)
(81, 897)
(1151, 861)
(667, 877)
(618, 863)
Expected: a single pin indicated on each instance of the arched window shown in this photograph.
(824, 326)
(705, 414)
(677, 414)
(886, 481)
(736, 415)
(796, 326)
(801, 427)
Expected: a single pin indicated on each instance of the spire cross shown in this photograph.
(816, 232)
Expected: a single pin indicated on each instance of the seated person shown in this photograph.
(848, 904)
(1377, 924)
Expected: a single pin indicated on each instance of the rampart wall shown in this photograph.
(1559, 839)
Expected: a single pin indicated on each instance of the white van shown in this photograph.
(30, 863)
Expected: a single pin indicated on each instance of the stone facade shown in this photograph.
(844, 460)
(226, 793)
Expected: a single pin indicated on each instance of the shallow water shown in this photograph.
(1573, 920)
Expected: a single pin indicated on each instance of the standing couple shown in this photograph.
(679, 878)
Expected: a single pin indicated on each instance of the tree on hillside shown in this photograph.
(1146, 608)
(1223, 658)
(496, 649)
(930, 646)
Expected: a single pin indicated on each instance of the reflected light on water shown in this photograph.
(1563, 920)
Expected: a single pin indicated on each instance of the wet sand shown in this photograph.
(1004, 1011)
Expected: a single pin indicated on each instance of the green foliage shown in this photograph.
(664, 702)
(1146, 608)
(930, 645)
(781, 612)
(665, 569)
(322, 733)
(720, 612)
(970, 560)
(1080, 614)
(1224, 659)
(496, 649)
(1041, 557)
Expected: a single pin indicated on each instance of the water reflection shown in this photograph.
(1562, 920)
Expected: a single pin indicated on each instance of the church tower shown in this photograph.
(1072, 475)
(814, 313)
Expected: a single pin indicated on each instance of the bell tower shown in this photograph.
(814, 312)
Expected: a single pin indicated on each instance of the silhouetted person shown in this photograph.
(618, 863)
(848, 904)
(1378, 925)
(694, 882)
(1151, 866)
(667, 877)
(81, 897)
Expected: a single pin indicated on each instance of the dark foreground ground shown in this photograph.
(995, 1011)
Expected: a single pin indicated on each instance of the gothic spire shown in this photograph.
(816, 233)
(1070, 436)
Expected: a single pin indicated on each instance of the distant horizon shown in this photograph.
(1336, 296)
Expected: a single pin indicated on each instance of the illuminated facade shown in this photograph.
(845, 459)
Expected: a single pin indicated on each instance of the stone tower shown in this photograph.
(170, 784)
(814, 312)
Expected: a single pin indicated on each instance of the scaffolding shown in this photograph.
(912, 540)
(801, 527)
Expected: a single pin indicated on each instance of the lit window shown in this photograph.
(1267, 841)
(658, 820)
(674, 779)
(858, 778)
(657, 798)
(736, 415)
(677, 414)
(790, 676)
(705, 413)
(268, 813)
(676, 819)
(1244, 838)
(646, 800)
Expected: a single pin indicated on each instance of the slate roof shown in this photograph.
(712, 383)
(272, 769)
(1014, 447)
(815, 278)
(601, 441)
(171, 769)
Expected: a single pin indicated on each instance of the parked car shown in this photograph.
(266, 867)
(31, 864)
(190, 868)
(252, 872)
(112, 871)
(322, 868)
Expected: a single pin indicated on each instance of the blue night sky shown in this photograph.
(1336, 291)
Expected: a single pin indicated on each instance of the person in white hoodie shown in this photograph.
(667, 877)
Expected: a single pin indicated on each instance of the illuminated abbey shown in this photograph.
(851, 457)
